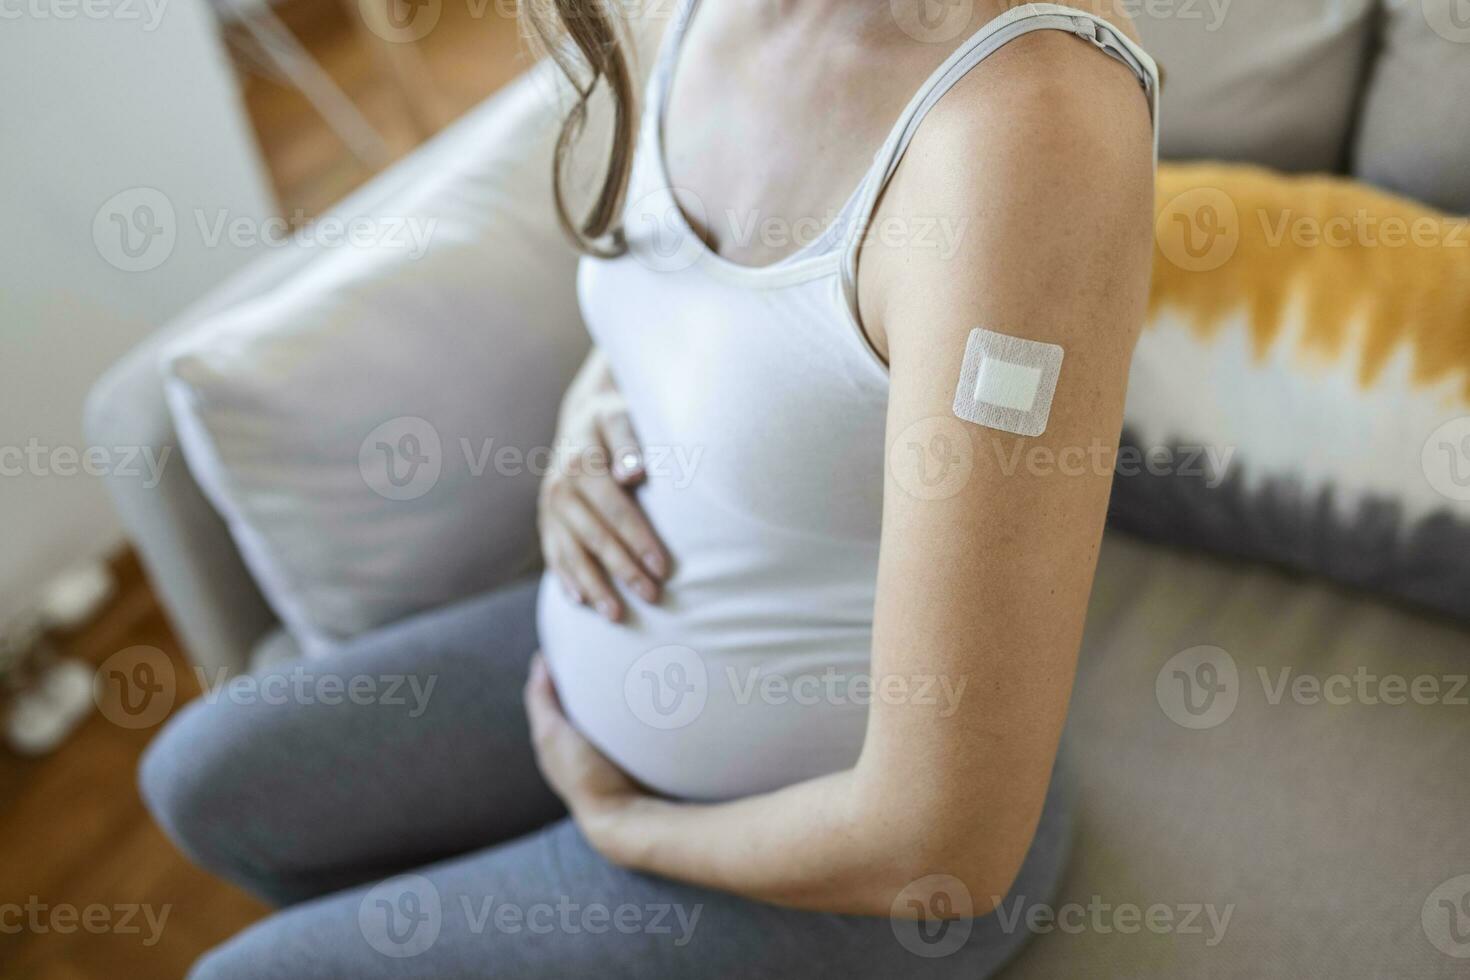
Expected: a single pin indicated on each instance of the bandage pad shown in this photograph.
(1007, 383)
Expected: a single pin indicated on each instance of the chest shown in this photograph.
(770, 139)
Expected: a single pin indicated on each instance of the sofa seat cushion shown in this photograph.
(1328, 820)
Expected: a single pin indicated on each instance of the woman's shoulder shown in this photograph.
(1045, 154)
(1046, 90)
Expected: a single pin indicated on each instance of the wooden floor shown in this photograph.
(73, 833)
(466, 57)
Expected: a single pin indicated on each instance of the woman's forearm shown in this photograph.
(823, 844)
(800, 846)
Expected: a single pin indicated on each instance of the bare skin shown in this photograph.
(593, 533)
(1045, 153)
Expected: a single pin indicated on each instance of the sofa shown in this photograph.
(1307, 825)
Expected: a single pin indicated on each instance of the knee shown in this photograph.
(219, 964)
(235, 959)
(184, 778)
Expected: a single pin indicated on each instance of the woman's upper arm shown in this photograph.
(990, 538)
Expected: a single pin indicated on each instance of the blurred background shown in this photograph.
(258, 109)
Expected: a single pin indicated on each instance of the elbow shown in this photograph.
(934, 852)
(918, 873)
(953, 879)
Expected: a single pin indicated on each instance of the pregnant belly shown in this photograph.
(715, 693)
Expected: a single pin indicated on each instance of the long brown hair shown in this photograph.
(600, 57)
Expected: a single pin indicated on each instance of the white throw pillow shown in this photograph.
(369, 430)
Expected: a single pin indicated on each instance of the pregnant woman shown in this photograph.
(874, 270)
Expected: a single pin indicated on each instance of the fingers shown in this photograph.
(579, 572)
(617, 509)
(594, 534)
(542, 707)
(604, 544)
(560, 746)
(553, 547)
(547, 723)
(616, 429)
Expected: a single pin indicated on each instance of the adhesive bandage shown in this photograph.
(1007, 383)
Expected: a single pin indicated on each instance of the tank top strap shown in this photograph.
(667, 57)
(982, 44)
(994, 35)
(991, 38)
(857, 211)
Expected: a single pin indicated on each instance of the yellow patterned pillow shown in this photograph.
(1302, 390)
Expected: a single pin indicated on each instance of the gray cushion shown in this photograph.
(1268, 81)
(1335, 830)
(1414, 134)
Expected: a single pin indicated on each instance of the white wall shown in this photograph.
(101, 97)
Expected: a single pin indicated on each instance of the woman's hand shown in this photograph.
(592, 530)
(594, 789)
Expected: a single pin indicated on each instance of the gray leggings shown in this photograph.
(407, 833)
